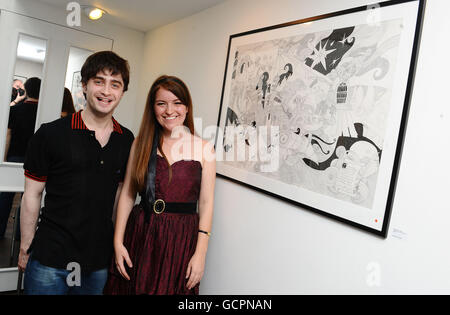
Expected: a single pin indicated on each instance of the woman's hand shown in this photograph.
(195, 270)
(121, 256)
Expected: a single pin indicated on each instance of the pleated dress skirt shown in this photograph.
(161, 249)
(160, 252)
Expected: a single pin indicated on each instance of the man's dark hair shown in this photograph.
(32, 87)
(105, 60)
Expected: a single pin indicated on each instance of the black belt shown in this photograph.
(159, 206)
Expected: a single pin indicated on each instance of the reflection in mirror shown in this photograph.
(77, 57)
(9, 228)
(31, 52)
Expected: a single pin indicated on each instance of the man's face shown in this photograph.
(103, 92)
(18, 85)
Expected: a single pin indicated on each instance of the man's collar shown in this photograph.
(78, 124)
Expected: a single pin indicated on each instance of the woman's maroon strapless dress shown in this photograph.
(161, 249)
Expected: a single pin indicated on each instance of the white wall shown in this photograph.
(263, 245)
(128, 43)
(28, 69)
(77, 57)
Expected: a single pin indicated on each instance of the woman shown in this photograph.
(67, 104)
(160, 245)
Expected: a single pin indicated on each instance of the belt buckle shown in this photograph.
(158, 205)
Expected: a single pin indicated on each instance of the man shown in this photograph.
(80, 160)
(18, 92)
(21, 123)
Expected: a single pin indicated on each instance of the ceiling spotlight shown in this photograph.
(94, 13)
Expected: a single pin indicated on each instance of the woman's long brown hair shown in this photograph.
(144, 140)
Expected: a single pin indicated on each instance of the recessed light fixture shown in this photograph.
(94, 13)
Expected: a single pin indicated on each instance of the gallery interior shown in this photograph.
(357, 92)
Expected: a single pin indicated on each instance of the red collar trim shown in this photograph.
(30, 102)
(78, 124)
(116, 126)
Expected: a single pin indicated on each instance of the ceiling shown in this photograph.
(143, 15)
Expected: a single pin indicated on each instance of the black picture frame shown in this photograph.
(238, 104)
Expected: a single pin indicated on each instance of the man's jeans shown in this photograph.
(43, 280)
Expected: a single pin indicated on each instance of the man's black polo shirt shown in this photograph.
(22, 120)
(81, 180)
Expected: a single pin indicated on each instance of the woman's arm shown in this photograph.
(196, 265)
(116, 201)
(125, 205)
(8, 142)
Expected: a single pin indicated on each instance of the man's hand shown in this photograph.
(23, 260)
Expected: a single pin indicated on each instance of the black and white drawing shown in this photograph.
(79, 100)
(332, 96)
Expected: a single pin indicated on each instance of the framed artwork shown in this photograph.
(79, 101)
(314, 111)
